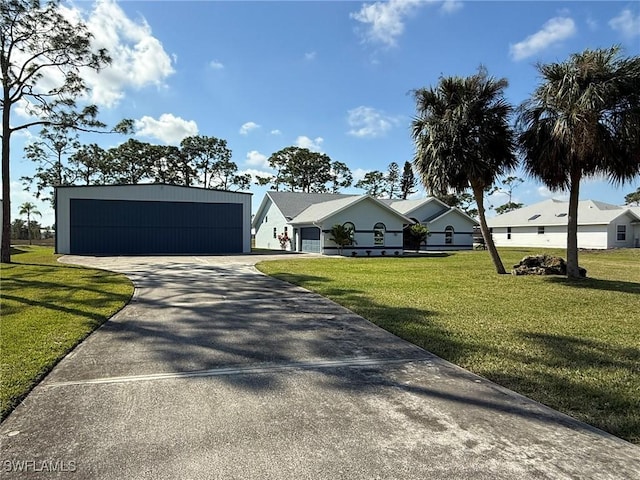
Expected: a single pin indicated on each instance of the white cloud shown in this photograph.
(315, 145)
(276, 132)
(384, 21)
(168, 128)
(367, 122)
(451, 6)
(138, 58)
(216, 65)
(544, 192)
(255, 173)
(358, 174)
(247, 127)
(257, 159)
(626, 23)
(553, 31)
(309, 56)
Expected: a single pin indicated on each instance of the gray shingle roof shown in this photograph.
(292, 204)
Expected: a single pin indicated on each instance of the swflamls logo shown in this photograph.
(39, 466)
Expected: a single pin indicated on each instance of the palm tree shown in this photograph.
(28, 209)
(583, 120)
(341, 236)
(463, 139)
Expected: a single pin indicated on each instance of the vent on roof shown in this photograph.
(534, 217)
(561, 215)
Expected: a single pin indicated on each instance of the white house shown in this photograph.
(449, 227)
(378, 225)
(544, 224)
(307, 219)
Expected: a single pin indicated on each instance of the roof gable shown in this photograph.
(406, 207)
(292, 204)
(453, 210)
(319, 212)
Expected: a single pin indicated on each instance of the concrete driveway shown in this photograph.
(216, 371)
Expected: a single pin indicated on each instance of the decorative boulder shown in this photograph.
(543, 265)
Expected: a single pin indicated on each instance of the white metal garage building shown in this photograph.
(151, 219)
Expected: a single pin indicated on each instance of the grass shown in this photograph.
(572, 345)
(47, 309)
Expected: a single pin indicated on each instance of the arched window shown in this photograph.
(448, 235)
(352, 228)
(378, 234)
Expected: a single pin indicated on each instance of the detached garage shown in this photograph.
(151, 219)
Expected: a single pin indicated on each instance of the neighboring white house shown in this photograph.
(544, 224)
(307, 219)
(378, 225)
(449, 227)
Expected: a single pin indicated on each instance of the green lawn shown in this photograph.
(48, 308)
(572, 345)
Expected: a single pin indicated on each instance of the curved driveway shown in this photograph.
(216, 371)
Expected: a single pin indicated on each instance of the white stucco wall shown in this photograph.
(364, 215)
(151, 192)
(636, 235)
(589, 236)
(462, 237)
(612, 231)
(269, 219)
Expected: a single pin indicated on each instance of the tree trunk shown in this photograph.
(5, 254)
(478, 193)
(572, 227)
(29, 227)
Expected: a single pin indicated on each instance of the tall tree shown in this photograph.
(28, 209)
(224, 174)
(507, 186)
(36, 39)
(166, 164)
(50, 152)
(408, 182)
(209, 156)
(19, 229)
(131, 162)
(392, 180)
(583, 120)
(463, 139)
(373, 183)
(633, 198)
(301, 169)
(341, 176)
(89, 165)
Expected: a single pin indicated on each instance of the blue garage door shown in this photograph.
(310, 239)
(139, 227)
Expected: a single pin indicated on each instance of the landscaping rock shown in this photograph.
(543, 265)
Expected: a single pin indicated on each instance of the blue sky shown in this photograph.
(334, 77)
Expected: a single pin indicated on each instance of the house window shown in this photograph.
(540, 230)
(448, 235)
(352, 229)
(275, 232)
(286, 231)
(508, 233)
(621, 233)
(378, 234)
(266, 218)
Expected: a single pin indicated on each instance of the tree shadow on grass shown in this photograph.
(588, 379)
(598, 284)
